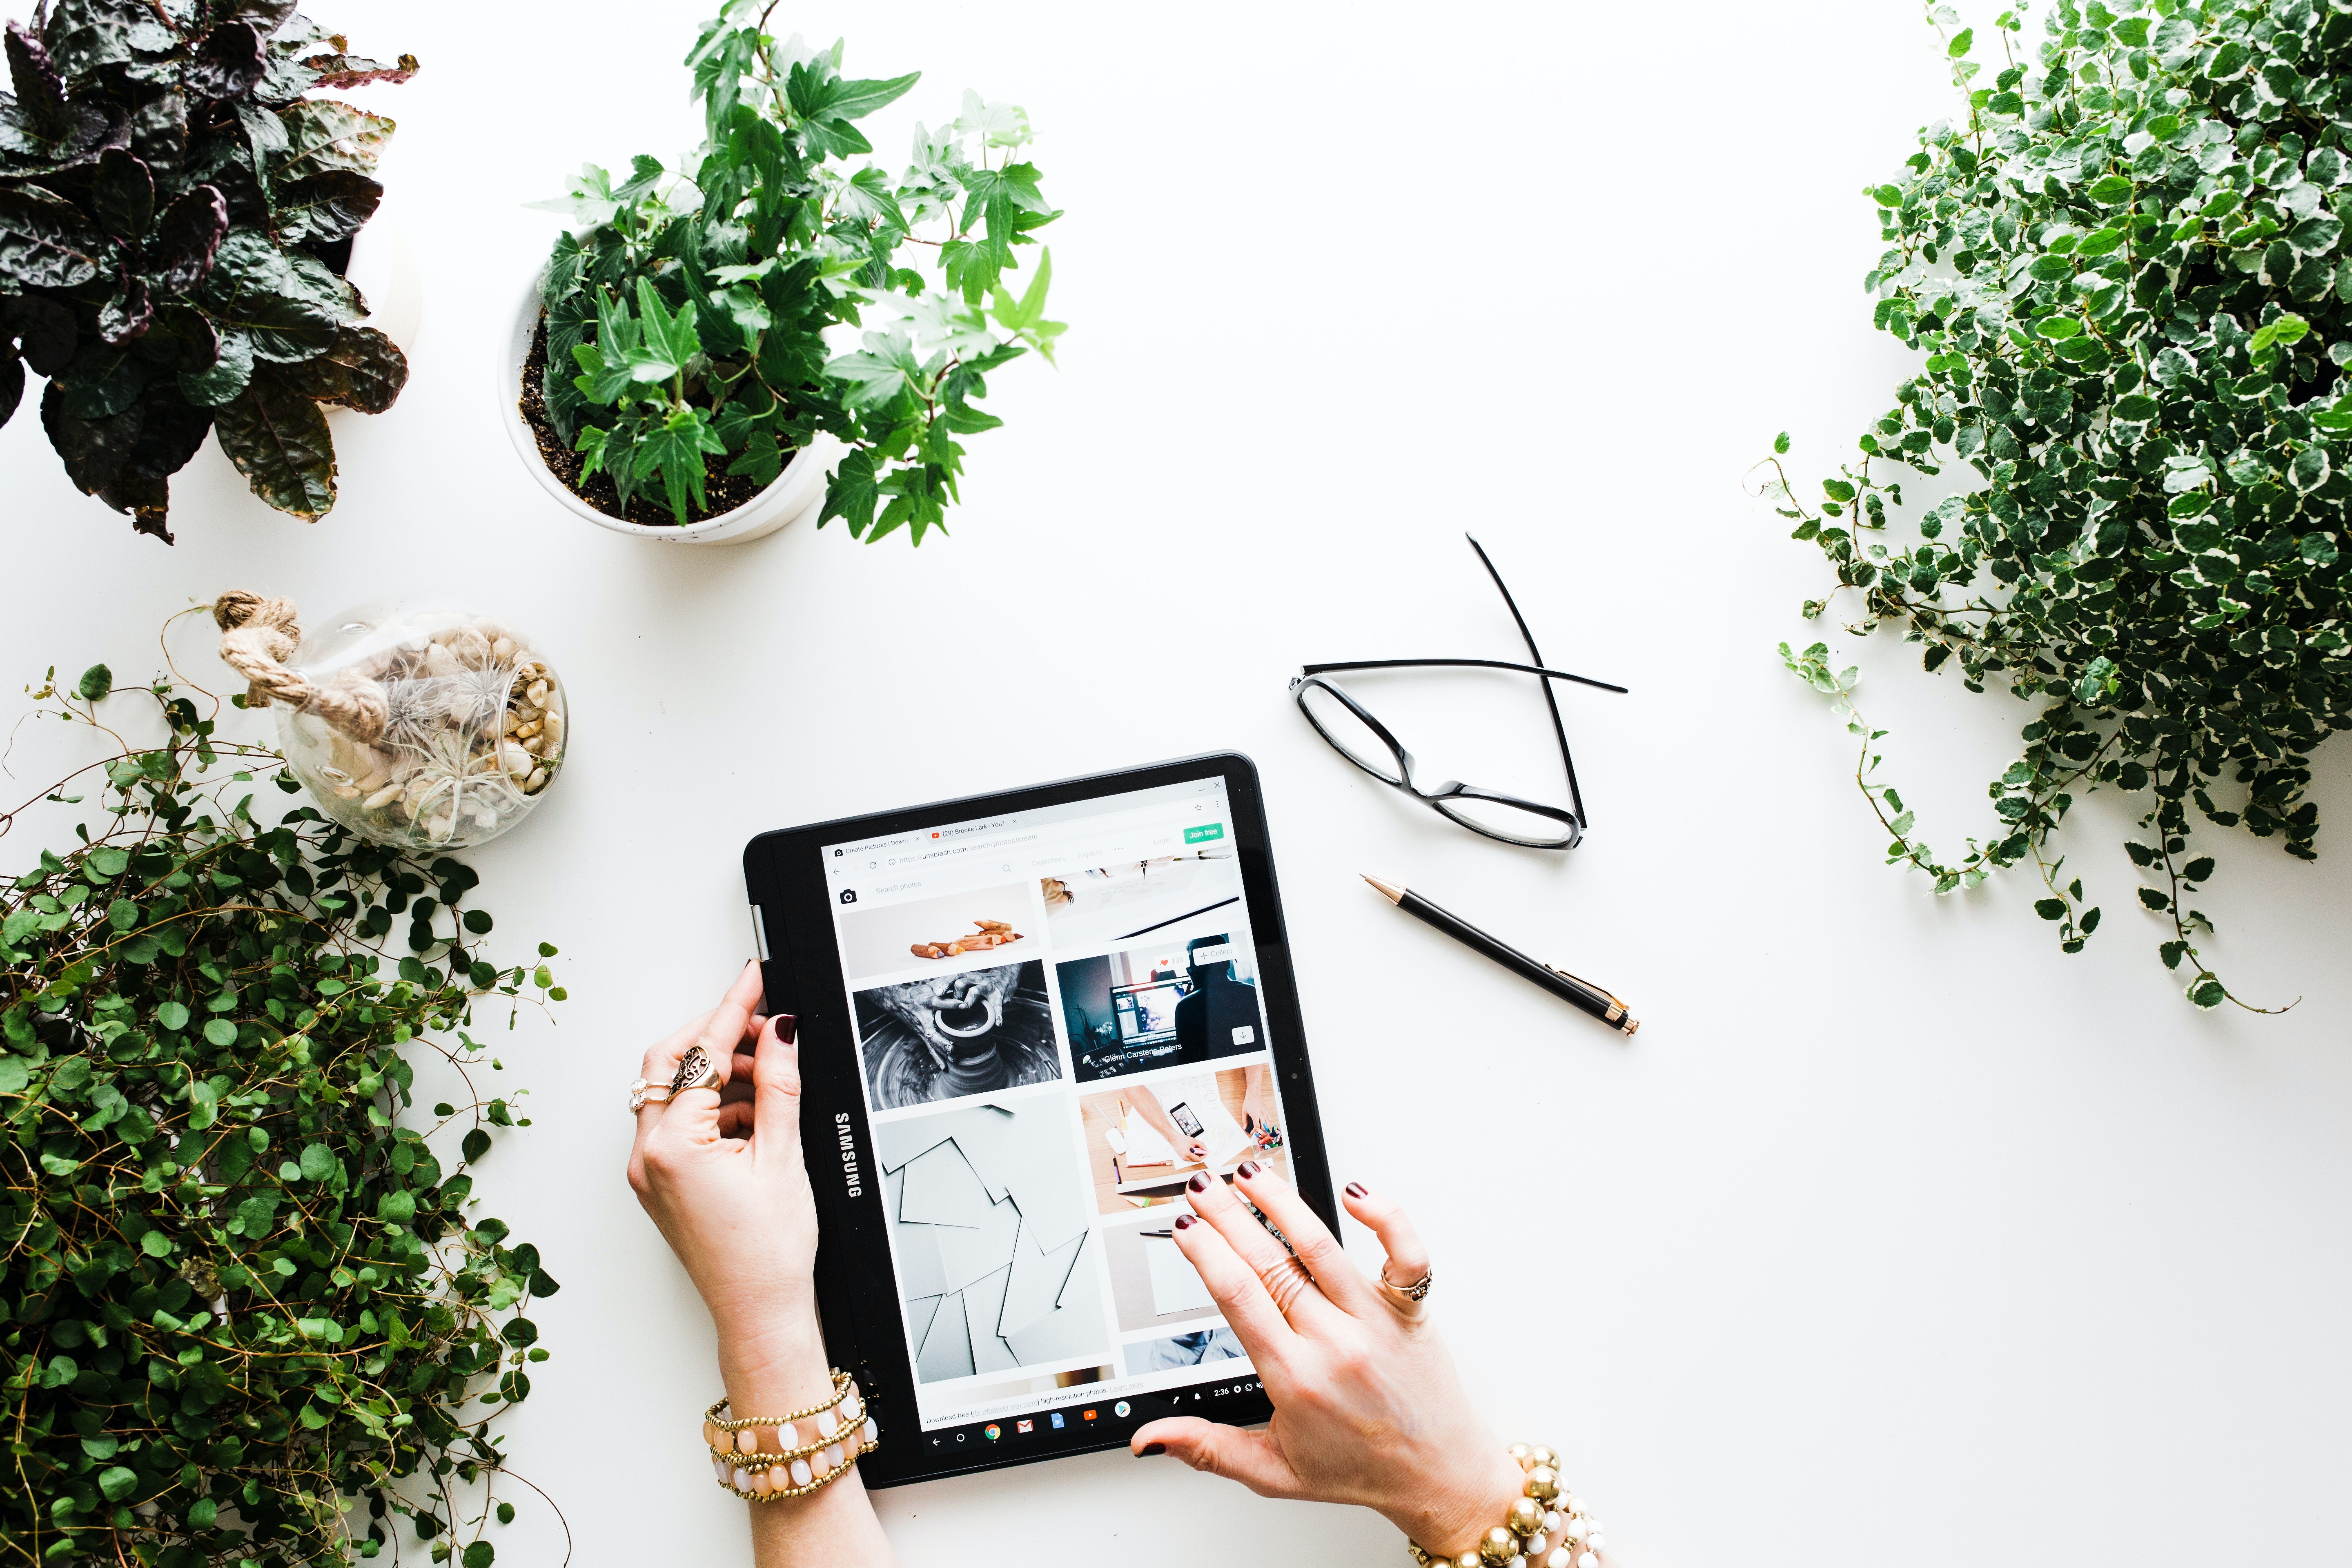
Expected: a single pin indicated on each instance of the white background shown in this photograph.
(1896, 1235)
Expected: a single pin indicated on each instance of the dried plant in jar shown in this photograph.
(424, 726)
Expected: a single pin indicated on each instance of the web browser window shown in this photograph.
(1058, 1026)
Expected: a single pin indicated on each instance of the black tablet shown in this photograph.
(1026, 1021)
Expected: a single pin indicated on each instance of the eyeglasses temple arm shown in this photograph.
(1468, 663)
(1575, 795)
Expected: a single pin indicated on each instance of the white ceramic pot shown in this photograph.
(798, 492)
(383, 269)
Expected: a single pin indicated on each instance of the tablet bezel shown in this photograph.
(784, 877)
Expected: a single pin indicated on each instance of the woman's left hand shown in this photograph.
(720, 1171)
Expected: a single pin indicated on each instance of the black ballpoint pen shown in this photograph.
(1558, 981)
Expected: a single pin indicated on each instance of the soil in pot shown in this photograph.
(724, 491)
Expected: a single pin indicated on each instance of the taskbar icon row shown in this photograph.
(1081, 1422)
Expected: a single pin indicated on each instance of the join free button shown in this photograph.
(1209, 835)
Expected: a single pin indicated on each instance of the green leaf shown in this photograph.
(2288, 328)
(675, 449)
(875, 378)
(480, 1554)
(317, 1162)
(118, 1482)
(670, 341)
(852, 493)
(1026, 319)
(762, 460)
(1960, 42)
(2112, 191)
(2051, 908)
(96, 682)
(855, 100)
(220, 1032)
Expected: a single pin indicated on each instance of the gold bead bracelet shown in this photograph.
(1545, 1527)
(773, 1468)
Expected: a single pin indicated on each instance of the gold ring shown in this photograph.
(1286, 1282)
(1413, 1292)
(694, 1071)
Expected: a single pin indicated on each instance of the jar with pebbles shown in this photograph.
(428, 726)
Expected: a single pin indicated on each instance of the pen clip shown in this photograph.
(1617, 1008)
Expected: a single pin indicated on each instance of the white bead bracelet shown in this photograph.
(761, 1458)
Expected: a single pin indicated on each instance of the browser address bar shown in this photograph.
(1140, 834)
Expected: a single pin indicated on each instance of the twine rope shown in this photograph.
(259, 636)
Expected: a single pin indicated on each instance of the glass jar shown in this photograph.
(430, 726)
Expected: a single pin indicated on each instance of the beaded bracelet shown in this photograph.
(1546, 1525)
(747, 1465)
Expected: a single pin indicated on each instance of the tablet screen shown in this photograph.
(1058, 1024)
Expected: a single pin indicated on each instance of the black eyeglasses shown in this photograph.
(1364, 740)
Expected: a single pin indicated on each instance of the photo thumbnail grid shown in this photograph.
(991, 1005)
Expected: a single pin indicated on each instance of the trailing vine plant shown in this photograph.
(245, 1316)
(2122, 264)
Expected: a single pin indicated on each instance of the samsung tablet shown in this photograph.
(1028, 1020)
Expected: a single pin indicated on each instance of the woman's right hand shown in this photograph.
(1368, 1409)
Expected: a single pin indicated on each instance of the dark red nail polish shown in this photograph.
(1247, 1169)
(1152, 1450)
(1355, 1190)
(1182, 1220)
(1198, 1183)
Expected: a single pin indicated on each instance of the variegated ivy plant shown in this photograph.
(2122, 264)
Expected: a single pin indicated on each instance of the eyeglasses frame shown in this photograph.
(1310, 678)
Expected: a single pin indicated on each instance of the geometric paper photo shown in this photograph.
(990, 1228)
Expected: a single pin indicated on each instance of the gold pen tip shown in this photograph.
(1388, 890)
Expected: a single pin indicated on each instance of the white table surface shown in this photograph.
(1897, 1236)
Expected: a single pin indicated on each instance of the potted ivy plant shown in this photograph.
(667, 373)
(175, 215)
(2122, 263)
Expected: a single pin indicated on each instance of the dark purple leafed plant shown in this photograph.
(175, 212)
